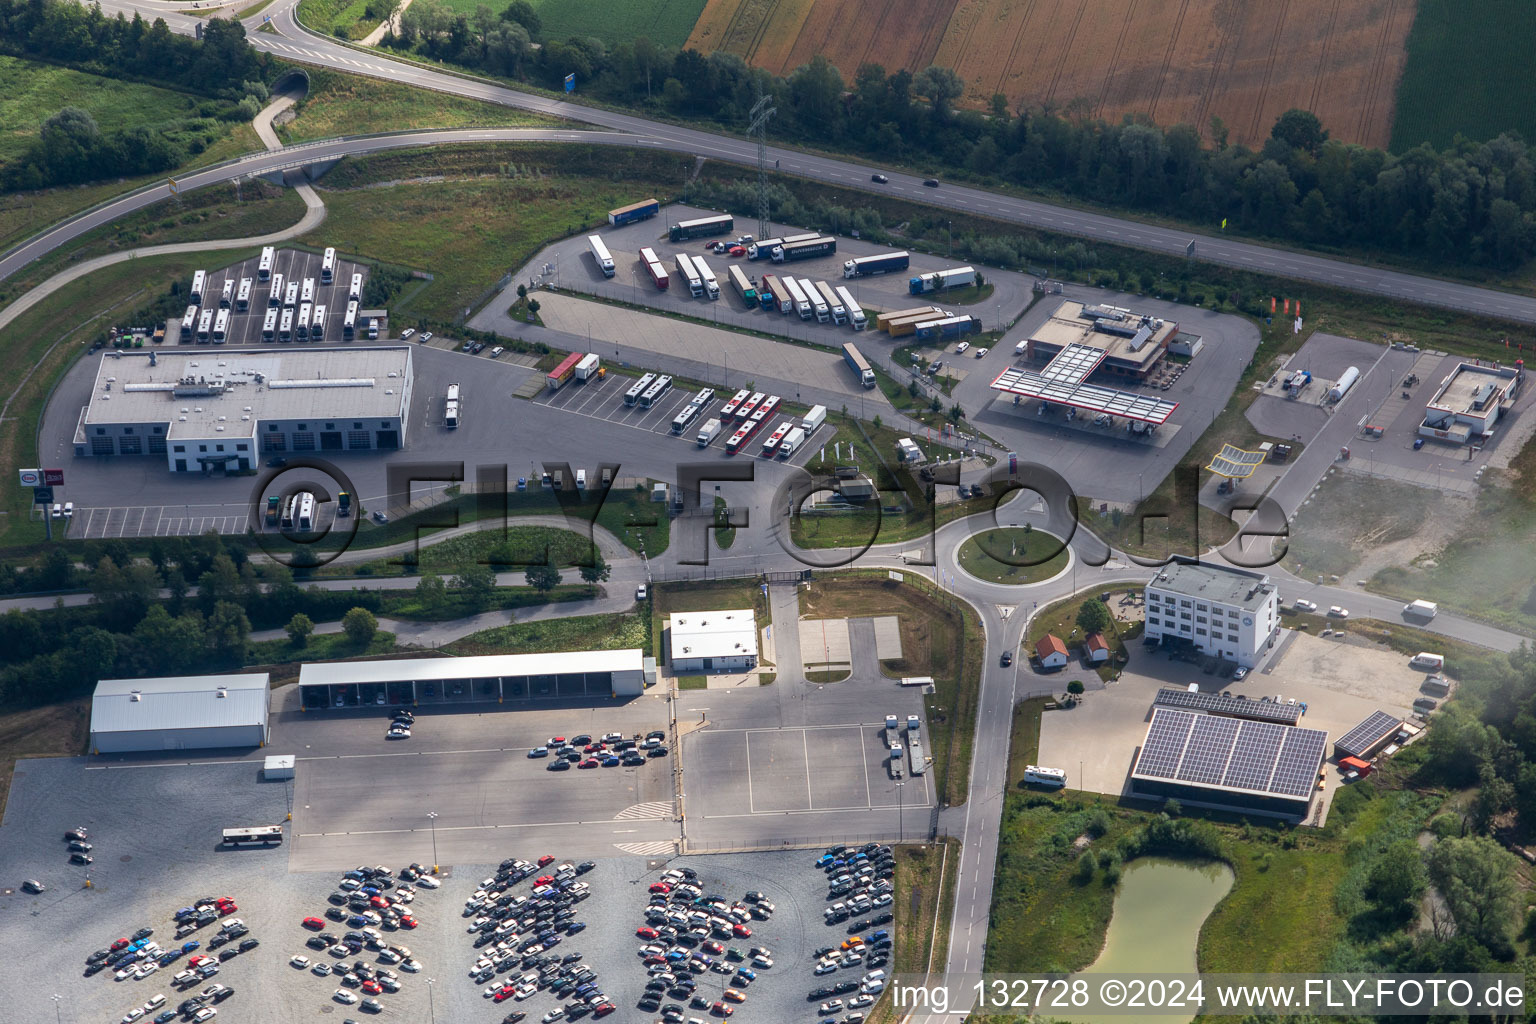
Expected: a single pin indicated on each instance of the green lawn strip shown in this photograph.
(208, 214)
(23, 214)
(1013, 555)
(50, 335)
(319, 647)
(666, 23)
(503, 550)
(1024, 740)
(469, 231)
(833, 676)
(605, 632)
(339, 104)
(692, 683)
(941, 637)
(254, 9)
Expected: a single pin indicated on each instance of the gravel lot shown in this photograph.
(155, 829)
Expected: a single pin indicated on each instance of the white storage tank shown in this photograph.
(1346, 381)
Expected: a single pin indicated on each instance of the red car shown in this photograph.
(741, 931)
(590, 762)
(406, 921)
(645, 933)
(592, 748)
(661, 887)
(655, 958)
(722, 1009)
(504, 993)
(546, 859)
(543, 880)
(195, 960)
(737, 250)
(603, 1009)
(314, 923)
(378, 902)
(713, 948)
(119, 944)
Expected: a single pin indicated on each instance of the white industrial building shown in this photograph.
(1227, 613)
(1470, 401)
(179, 713)
(207, 410)
(498, 677)
(716, 641)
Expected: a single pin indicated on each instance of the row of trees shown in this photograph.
(1472, 203)
(71, 148)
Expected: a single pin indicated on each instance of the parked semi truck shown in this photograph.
(763, 249)
(902, 326)
(707, 276)
(948, 329)
(856, 315)
(782, 300)
(856, 361)
(643, 210)
(835, 304)
(818, 304)
(742, 285)
(883, 320)
(701, 227)
(789, 252)
(797, 297)
(956, 277)
(653, 267)
(566, 371)
(687, 272)
(601, 254)
(884, 263)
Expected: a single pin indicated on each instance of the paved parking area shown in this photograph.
(295, 266)
(156, 521)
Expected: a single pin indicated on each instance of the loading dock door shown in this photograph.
(387, 440)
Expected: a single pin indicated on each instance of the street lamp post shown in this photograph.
(57, 1013)
(431, 1006)
(432, 817)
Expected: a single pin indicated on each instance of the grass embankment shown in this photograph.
(208, 214)
(664, 22)
(47, 338)
(940, 637)
(1013, 555)
(503, 550)
(496, 206)
(58, 730)
(317, 647)
(606, 632)
(344, 19)
(338, 104)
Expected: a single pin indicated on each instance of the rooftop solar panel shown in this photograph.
(1218, 753)
(1209, 749)
(1216, 704)
(1367, 734)
(1073, 364)
(1234, 462)
(1164, 746)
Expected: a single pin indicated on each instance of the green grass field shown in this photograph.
(1013, 556)
(30, 92)
(665, 22)
(1468, 71)
(340, 104)
(469, 231)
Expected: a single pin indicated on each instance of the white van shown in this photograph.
(58, 511)
(1427, 661)
(581, 479)
(69, 510)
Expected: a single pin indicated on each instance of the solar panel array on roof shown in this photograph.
(1360, 740)
(1234, 462)
(1092, 397)
(1073, 364)
(1229, 753)
(1216, 704)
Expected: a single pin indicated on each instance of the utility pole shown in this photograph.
(760, 113)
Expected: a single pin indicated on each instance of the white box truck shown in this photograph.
(791, 442)
(588, 367)
(709, 432)
(1421, 609)
(814, 419)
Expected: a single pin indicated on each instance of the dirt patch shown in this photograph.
(58, 730)
(1178, 62)
(1355, 526)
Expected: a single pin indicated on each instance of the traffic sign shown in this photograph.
(31, 478)
(570, 83)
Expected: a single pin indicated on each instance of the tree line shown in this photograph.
(1470, 204)
(71, 148)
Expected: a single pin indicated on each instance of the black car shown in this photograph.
(229, 954)
(277, 462)
(77, 834)
(930, 183)
(879, 179)
(81, 858)
(1007, 658)
(658, 752)
(190, 1006)
(249, 944)
(142, 933)
(91, 969)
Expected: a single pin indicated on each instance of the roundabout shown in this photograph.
(1013, 556)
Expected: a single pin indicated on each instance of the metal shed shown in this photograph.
(179, 713)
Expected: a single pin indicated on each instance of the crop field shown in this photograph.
(664, 22)
(1468, 71)
(1184, 61)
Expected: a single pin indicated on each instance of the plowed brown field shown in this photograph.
(1177, 60)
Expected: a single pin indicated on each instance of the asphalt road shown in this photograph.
(291, 42)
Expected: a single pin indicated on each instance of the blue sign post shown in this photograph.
(570, 82)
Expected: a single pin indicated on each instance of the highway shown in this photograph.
(294, 43)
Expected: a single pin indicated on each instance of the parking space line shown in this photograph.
(864, 760)
(837, 725)
(816, 810)
(805, 746)
(750, 805)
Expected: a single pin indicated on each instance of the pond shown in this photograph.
(1159, 910)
